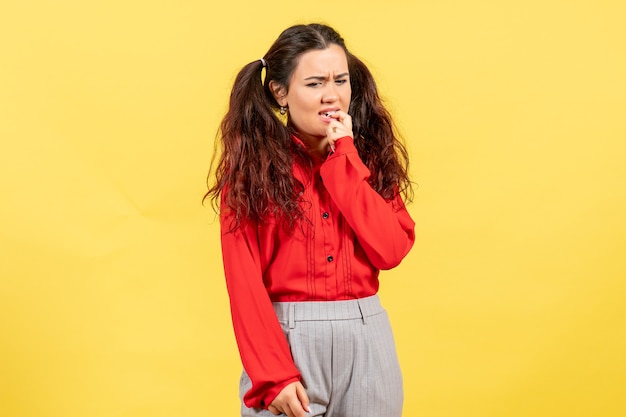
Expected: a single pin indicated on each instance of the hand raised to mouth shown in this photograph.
(339, 126)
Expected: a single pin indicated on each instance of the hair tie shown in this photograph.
(263, 62)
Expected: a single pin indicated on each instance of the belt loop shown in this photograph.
(292, 315)
(361, 310)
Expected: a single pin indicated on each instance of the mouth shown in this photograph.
(327, 114)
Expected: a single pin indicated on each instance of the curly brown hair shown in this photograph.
(254, 173)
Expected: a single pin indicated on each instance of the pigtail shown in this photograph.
(376, 137)
(255, 166)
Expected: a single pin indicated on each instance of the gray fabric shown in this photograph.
(347, 357)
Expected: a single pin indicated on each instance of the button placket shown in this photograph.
(325, 216)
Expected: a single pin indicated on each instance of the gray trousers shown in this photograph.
(346, 354)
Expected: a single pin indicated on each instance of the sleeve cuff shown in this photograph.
(273, 392)
(343, 146)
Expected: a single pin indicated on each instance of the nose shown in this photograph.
(330, 93)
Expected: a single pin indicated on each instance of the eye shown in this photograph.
(341, 82)
(314, 84)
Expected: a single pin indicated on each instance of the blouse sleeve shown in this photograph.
(263, 348)
(384, 229)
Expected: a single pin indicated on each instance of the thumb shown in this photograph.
(303, 397)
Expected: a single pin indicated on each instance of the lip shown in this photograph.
(324, 113)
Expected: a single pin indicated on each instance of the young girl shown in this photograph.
(310, 183)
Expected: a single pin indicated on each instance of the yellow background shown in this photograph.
(112, 301)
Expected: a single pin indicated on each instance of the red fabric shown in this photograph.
(353, 234)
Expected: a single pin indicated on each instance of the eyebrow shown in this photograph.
(322, 78)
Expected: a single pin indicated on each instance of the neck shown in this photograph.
(315, 146)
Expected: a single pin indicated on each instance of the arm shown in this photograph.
(262, 345)
(384, 229)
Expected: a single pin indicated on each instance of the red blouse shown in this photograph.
(353, 234)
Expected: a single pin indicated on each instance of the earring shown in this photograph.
(283, 110)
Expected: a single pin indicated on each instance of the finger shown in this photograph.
(333, 128)
(289, 411)
(345, 120)
(294, 410)
(274, 410)
(333, 131)
(303, 397)
(343, 117)
(336, 130)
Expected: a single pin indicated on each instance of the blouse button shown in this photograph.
(325, 215)
(329, 259)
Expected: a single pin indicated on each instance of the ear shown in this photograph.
(279, 92)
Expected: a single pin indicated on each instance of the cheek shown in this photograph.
(304, 104)
(347, 96)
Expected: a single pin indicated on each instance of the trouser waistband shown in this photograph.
(359, 308)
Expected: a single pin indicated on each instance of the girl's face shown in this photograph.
(319, 86)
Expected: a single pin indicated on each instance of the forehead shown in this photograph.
(322, 62)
